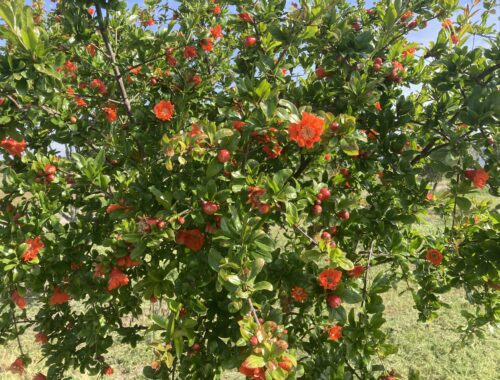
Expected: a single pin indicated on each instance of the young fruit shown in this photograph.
(333, 301)
(317, 210)
(323, 194)
(334, 126)
(320, 73)
(254, 341)
(223, 156)
(343, 214)
(209, 208)
(264, 208)
(249, 41)
(49, 169)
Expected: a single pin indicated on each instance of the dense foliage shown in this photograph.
(255, 171)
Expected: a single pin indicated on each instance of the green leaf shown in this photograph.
(292, 216)
(309, 32)
(178, 344)
(254, 361)
(281, 177)
(165, 199)
(214, 258)
(349, 146)
(233, 279)
(214, 167)
(464, 203)
(290, 106)
(223, 133)
(263, 285)
(390, 15)
(350, 295)
(263, 90)
(160, 320)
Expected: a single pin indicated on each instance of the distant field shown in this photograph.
(427, 347)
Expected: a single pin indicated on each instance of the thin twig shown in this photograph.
(118, 76)
(305, 234)
(353, 370)
(365, 281)
(253, 311)
(17, 332)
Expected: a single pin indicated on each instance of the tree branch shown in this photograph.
(365, 281)
(488, 71)
(253, 311)
(118, 76)
(305, 234)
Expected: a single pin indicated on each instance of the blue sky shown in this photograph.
(421, 36)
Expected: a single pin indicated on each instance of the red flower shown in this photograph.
(454, 39)
(207, 44)
(116, 279)
(320, 73)
(406, 15)
(216, 31)
(80, 102)
(273, 152)
(110, 113)
(479, 177)
(249, 41)
(99, 84)
(148, 22)
(135, 70)
(434, 257)
(164, 110)
(299, 294)
(430, 196)
(190, 52)
(254, 194)
(171, 60)
(91, 49)
(357, 271)
(108, 370)
(215, 9)
(113, 207)
(408, 52)
(34, 245)
(98, 271)
(446, 24)
(193, 239)
(90, 11)
(196, 80)
(307, 131)
(330, 278)
(17, 366)
(15, 148)
(69, 66)
(378, 107)
(246, 17)
(127, 262)
(39, 376)
(18, 299)
(252, 373)
(59, 297)
(41, 338)
(335, 333)
(237, 124)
